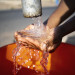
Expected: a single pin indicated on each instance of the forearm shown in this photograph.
(60, 14)
(67, 27)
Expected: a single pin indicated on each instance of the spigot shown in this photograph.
(31, 8)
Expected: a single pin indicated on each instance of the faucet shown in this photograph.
(31, 8)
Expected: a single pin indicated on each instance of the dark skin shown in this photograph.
(54, 32)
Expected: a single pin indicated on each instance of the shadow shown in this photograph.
(5, 65)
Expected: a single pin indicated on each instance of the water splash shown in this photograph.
(44, 62)
(37, 31)
(32, 57)
(15, 53)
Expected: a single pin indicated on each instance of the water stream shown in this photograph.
(37, 31)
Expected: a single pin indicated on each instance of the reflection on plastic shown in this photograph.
(62, 61)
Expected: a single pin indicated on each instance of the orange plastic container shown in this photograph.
(61, 62)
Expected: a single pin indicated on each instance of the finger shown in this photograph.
(17, 36)
(26, 41)
(16, 33)
(29, 27)
(33, 41)
(53, 48)
(44, 45)
(31, 45)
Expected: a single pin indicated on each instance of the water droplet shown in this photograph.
(26, 61)
(19, 41)
(28, 66)
(22, 64)
(19, 68)
(17, 54)
(20, 48)
(19, 60)
(34, 50)
(30, 53)
(33, 65)
(29, 59)
(38, 51)
(34, 54)
(37, 71)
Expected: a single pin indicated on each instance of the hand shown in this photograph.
(48, 41)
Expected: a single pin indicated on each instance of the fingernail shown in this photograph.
(49, 48)
(43, 47)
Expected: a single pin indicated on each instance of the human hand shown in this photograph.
(48, 41)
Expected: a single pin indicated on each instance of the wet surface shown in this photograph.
(28, 58)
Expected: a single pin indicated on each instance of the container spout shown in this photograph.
(31, 8)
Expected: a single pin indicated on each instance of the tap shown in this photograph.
(31, 8)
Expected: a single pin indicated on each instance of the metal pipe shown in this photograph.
(31, 8)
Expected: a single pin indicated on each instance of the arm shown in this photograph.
(67, 27)
(53, 36)
(59, 33)
(64, 10)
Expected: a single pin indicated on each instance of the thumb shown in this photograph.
(44, 46)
